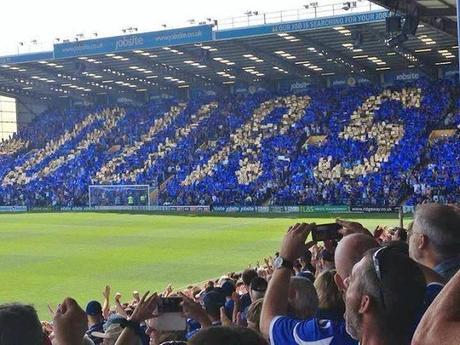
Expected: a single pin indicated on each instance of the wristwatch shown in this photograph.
(281, 262)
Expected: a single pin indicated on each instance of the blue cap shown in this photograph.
(93, 308)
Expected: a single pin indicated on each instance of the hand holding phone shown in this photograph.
(325, 232)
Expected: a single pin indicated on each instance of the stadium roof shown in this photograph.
(440, 14)
(308, 46)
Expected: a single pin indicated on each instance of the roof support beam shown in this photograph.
(276, 61)
(217, 66)
(182, 74)
(350, 63)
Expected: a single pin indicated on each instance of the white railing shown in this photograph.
(310, 11)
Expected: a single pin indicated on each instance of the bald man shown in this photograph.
(349, 252)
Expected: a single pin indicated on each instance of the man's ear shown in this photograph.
(423, 241)
(365, 304)
(339, 282)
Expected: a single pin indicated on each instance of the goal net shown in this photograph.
(118, 195)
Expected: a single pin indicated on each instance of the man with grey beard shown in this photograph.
(383, 295)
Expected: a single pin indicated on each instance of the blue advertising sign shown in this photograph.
(303, 25)
(148, 40)
(402, 76)
(12, 59)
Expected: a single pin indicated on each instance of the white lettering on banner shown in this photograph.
(408, 76)
(362, 128)
(129, 41)
(299, 86)
(330, 21)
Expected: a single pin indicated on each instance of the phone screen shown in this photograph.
(324, 232)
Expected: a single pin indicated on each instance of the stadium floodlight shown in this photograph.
(119, 195)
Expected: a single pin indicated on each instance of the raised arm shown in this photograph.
(441, 323)
(276, 298)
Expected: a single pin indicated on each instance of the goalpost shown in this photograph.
(118, 195)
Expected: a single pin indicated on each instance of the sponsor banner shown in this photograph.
(408, 209)
(193, 209)
(12, 59)
(375, 209)
(303, 25)
(402, 76)
(148, 40)
(284, 209)
(13, 209)
(350, 81)
(77, 209)
(324, 209)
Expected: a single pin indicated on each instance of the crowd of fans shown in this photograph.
(246, 149)
(385, 287)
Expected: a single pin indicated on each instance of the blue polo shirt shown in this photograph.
(288, 331)
(448, 268)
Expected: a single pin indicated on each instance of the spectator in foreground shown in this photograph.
(19, 325)
(383, 293)
(227, 336)
(435, 238)
(441, 323)
(274, 323)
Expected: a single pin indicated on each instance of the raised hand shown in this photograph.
(349, 228)
(145, 308)
(294, 245)
(168, 291)
(70, 323)
(194, 311)
(106, 292)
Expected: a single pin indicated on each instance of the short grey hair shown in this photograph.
(306, 297)
(441, 224)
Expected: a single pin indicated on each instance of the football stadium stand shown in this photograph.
(247, 150)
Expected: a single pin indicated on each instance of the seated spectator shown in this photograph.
(331, 305)
(435, 238)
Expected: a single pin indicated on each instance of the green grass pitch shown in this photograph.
(48, 256)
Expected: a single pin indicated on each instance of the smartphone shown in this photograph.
(324, 232)
(171, 314)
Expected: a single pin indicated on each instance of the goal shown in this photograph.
(118, 195)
